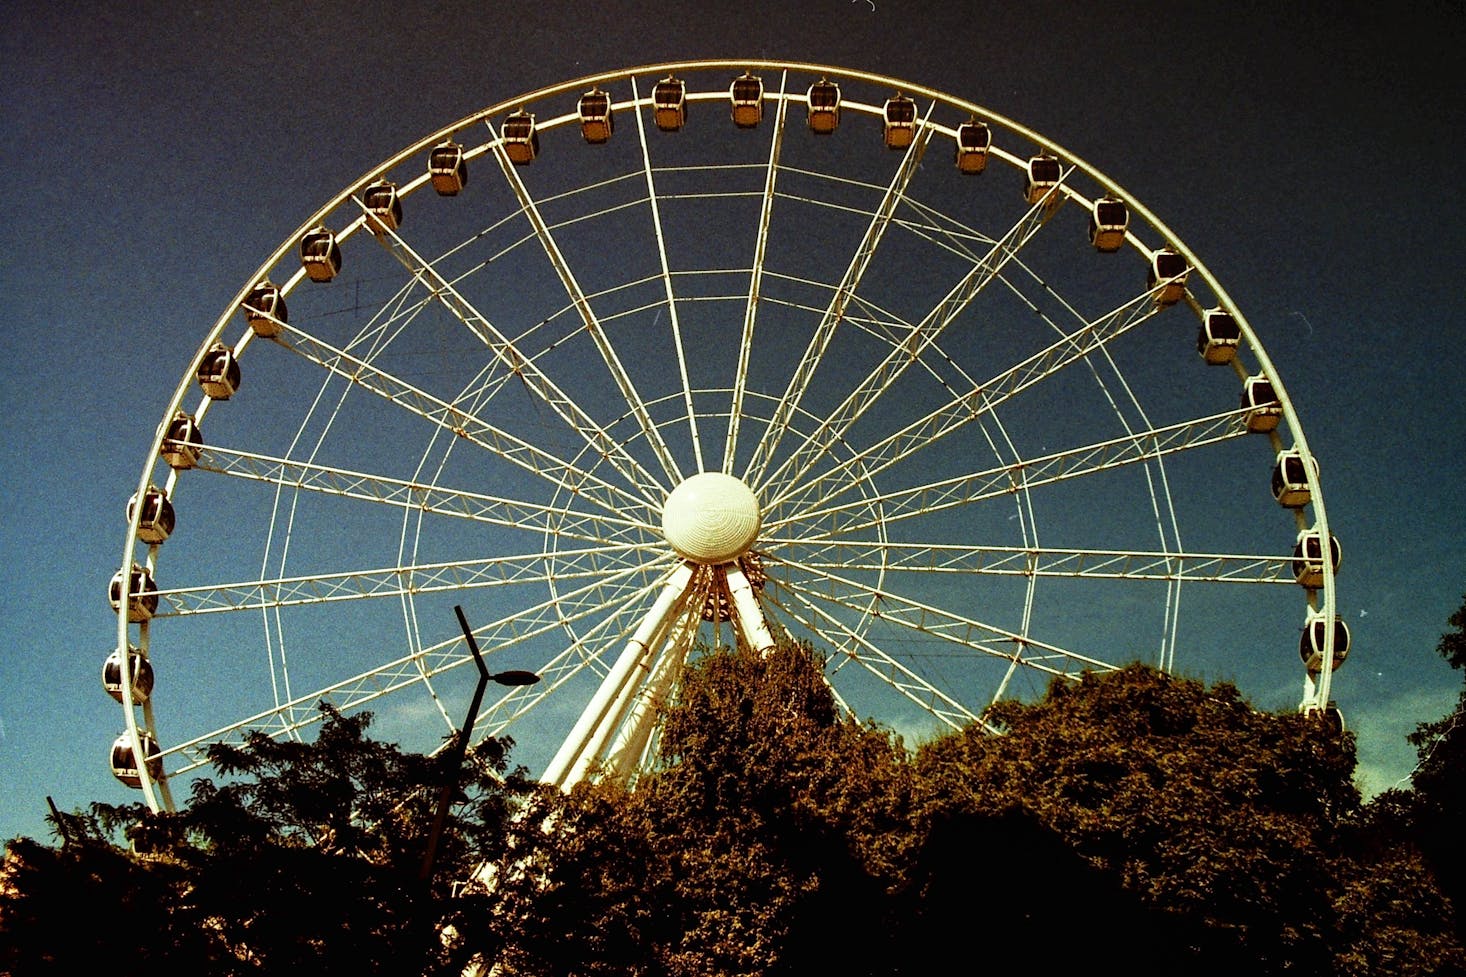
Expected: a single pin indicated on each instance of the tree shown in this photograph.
(1186, 797)
(772, 827)
(1424, 823)
(1131, 819)
(305, 859)
(1439, 781)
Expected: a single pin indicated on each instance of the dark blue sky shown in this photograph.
(156, 154)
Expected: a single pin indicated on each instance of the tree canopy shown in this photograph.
(305, 858)
(1132, 818)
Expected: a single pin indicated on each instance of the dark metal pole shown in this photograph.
(460, 748)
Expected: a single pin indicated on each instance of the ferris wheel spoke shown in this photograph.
(856, 647)
(423, 664)
(833, 428)
(397, 581)
(755, 281)
(1023, 474)
(439, 500)
(674, 320)
(890, 607)
(977, 401)
(516, 364)
(1019, 561)
(458, 421)
(824, 332)
(593, 325)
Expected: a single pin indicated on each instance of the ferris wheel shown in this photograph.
(707, 353)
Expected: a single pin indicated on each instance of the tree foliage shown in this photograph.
(1130, 819)
(304, 860)
(1427, 817)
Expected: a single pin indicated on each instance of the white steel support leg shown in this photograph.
(628, 752)
(747, 611)
(599, 747)
(575, 754)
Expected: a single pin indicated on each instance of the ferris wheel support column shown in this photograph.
(753, 627)
(634, 740)
(575, 754)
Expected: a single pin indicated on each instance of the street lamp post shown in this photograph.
(460, 746)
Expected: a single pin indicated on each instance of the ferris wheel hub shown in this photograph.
(711, 518)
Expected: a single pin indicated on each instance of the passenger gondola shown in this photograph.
(139, 673)
(974, 139)
(521, 141)
(156, 521)
(900, 121)
(596, 124)
(142, 598)
(747, 96)
(183, 441)
(1260, 400)
(1109, 219)
(218, 372)
(320, 255)
(1290, 479)
(1308, 558)
(824, 107)
(383, 207)
(1218, 337)
(1310, 644)
(124, 760)
(447, 169)
(264, 309)
(669, 104)
(1042, 180)
(1169, 271)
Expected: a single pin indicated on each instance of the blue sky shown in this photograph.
(156, 157)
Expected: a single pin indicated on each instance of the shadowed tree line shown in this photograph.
(1131, 819)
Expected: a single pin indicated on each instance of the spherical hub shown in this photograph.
(711, 518)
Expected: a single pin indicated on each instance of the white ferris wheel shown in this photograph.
(712, 352)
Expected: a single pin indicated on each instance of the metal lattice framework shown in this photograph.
(972, 449)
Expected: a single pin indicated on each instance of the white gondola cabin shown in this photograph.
(669, 104)
(183, 441)
(142, 594)
(383, 207)
(824, 107)
(974, 139)
(1308, 558)
(747, 96)
(1290, 479)
(264, 309)
(124, 759)
(320, 255)
(218, 372)
(1260, 400)
(139, 674)
(156, 521)
(1109, 220)
(521, 140)
(596, 125)
(447, 169)
(1310, 643)
(1042, 179)
(1218, 337)
(900, 121)
(1167, 276)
